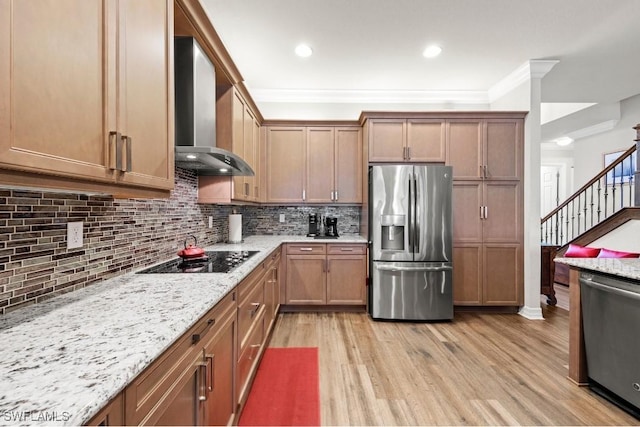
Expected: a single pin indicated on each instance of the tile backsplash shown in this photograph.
(120, 235)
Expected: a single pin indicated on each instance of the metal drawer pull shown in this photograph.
(201, 385)
(210, 358)
(306, 249)
(346, 249)
(126, 140)
(114, 160)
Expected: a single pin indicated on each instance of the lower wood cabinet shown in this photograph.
(325, 274)
(204, 377)
(191, 383)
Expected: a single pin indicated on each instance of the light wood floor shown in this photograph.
(480, 369)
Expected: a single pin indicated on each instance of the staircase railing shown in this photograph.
(614, 188)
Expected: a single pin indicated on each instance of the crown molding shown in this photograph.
(338, 96)
(532, 69)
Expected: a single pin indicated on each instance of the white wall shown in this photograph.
(588, 152)
(618, 239)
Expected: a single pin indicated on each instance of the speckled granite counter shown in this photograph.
(61, 361)
(624, 267)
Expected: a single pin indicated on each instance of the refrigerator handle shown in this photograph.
(410, 219)
(416, 222)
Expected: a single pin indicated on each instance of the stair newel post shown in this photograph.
(637, 174)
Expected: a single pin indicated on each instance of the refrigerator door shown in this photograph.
(391, 212)
(433, 228)
(411, 291)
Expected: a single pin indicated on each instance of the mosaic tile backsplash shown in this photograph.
(120, 235)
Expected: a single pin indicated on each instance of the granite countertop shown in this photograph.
(628, 268)
(62, 360)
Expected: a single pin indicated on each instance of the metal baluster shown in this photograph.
(556, 226)
(573, 220)
(631, 188)
(599, 198)
(585, 210)
(606, 196)
(578, 220)
(613, 192)
(591, 187)
(561, 222)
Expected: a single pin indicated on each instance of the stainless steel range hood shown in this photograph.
(195, 115)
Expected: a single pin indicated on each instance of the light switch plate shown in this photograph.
(210, 222)
(74, 234)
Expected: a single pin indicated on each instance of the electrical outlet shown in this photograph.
(74, 234)
(210, 222)
(281, 217)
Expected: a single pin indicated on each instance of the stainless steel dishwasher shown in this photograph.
(611, 323)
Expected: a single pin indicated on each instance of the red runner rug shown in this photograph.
(286, 390)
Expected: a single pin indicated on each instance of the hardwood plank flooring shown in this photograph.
(480, 369)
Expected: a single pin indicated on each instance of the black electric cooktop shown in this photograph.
(213, 262)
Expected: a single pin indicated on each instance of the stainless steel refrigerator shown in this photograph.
(410, 238)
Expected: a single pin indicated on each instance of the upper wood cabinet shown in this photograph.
(88, 98)
(238, 131)
(314, 164)
(406, 140)
(485, 148)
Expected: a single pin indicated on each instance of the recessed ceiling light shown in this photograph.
(564, 140)
(432, 51)
(303, 50)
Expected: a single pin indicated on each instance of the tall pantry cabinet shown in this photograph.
(88, 98)
(487, 159)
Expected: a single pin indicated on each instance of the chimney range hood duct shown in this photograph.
(195, 115)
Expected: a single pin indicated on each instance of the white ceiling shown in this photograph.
(375, 46)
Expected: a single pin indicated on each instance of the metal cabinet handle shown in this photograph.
(200, 384)
(126, 140)
(328, 266)
(210, 359)
(305, 249)
(254, 308)
(336, 199)
(198, 335)
(346, 249)
(486, 212)
(481, 212)
(408, 153)
(114, 153)
(304, 195)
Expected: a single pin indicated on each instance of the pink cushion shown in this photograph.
(577, 251)
(608, 253)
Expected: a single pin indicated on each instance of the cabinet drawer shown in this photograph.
(346, 249)
(306, 248)
(148, 388)
(248, 310)
(246, 286)
(250, 354)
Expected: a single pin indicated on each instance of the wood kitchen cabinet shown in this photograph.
(325, 274)
(416, 140)
(192, 382)
(486, 155)
(111, 415)
(314, 164)
(238, 131)
(102, 112)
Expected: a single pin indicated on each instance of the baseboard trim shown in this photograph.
(531, 313)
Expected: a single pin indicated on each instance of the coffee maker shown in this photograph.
(314, 226)
(331, 227)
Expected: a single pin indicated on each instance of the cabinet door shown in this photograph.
(426, 140)
(56, 77)
(467, 274)
(237, 141)
(503, 221)
(466, 202)
(306, 279)
(285, 164)
(346, 276)
(503, 149)
(348, 165)
(503, 283)
(181, 406)
(220, 362)
(319, 165)
(464, 148)
(248, 153)
(145, 93)
(387, 140)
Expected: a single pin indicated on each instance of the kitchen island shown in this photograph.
(66, 358)
(625, 268)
